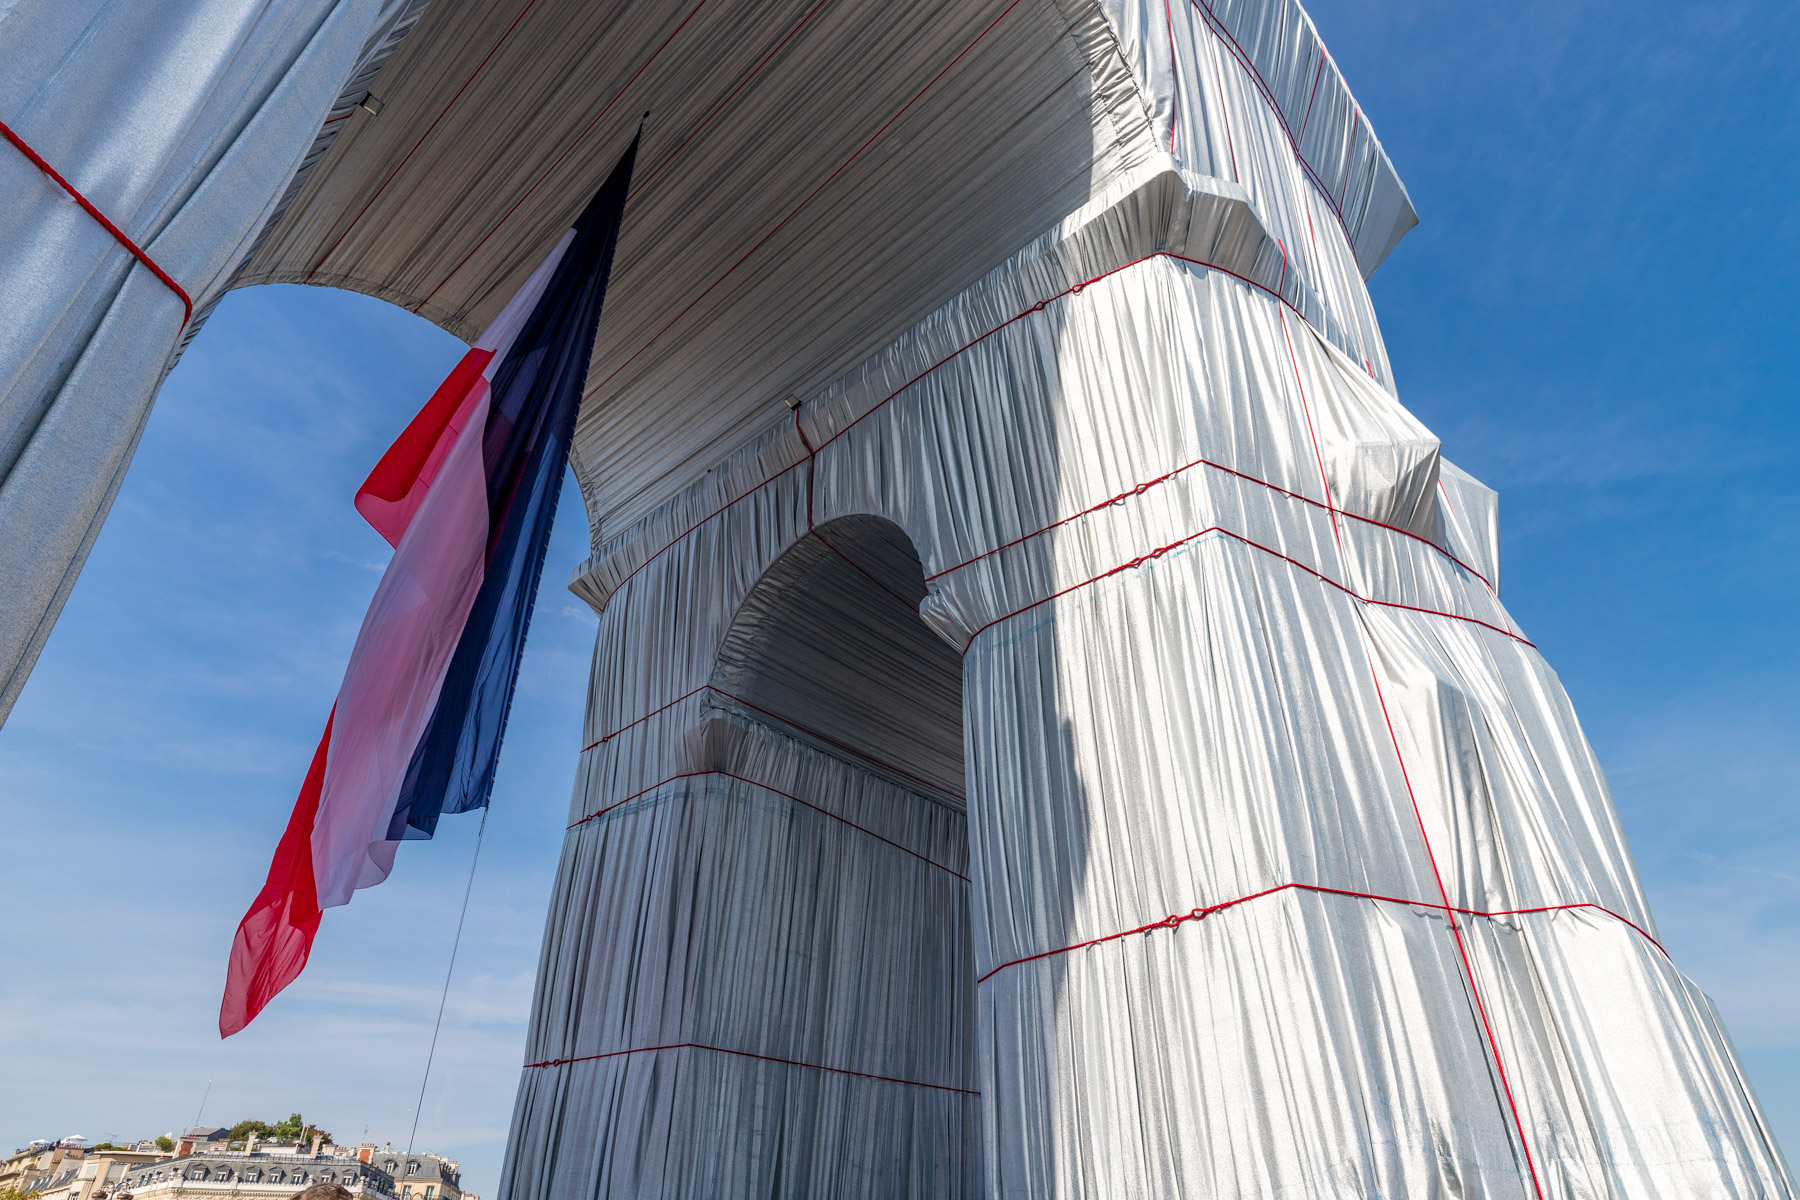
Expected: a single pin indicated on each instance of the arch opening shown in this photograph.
(836, 686)
(829, 645)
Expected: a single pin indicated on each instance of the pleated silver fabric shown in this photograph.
(1081, 750)
(1289, 869)
(184, 123)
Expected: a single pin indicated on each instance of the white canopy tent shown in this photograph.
(1054, 730)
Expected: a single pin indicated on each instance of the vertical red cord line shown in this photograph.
(88, 206)
(1313, 95)
(1412, 798)
(1450, 914)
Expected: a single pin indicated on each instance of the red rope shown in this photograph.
(1174, 75)
(786, 1062)
(1311, 96)
(1072, 290)
(601, 741)
(1225, 116)
(1318, 455)
(1200, 914)
(1456, 932)
(137, 251)
(597, 813)
(1145, 486)
(1157, 553)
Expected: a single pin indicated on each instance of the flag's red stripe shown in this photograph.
(276, 935)
(399, 470)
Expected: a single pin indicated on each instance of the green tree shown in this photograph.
(165, 1143)
(294, 1129)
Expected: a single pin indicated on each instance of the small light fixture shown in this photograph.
(791, 400)
(370, 103)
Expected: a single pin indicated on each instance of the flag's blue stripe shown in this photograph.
(531, 419)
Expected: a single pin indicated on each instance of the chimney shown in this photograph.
(366, 1152)
(250, 1144)
(317, 1138)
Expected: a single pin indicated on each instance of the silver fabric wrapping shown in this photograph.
(1229, 640)
(1083, 752)
(184, 123)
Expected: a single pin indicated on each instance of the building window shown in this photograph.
(412, 1168)
(430, 1193)
(299, 1177)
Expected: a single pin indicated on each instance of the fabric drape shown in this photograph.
(187, 122)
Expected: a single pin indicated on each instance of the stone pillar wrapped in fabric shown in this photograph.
(1054, 730)
(1083, 753)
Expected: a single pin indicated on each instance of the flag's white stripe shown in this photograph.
(403, 650)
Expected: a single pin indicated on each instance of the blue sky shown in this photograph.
(1596, 315)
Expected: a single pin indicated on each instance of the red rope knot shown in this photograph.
(1039, 306)
(1076, 290)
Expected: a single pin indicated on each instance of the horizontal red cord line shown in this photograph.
(1072, 290)
(567, 150)
(812, 453)
(1200, 914)
(810, 196)
(1145, 486)
(137, 251)
(786, 1062)
(779, 792)
(601, 741)
(719, 511)
(1157, 553)
(401, 165)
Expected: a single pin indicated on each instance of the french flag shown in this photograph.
(466, 497)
